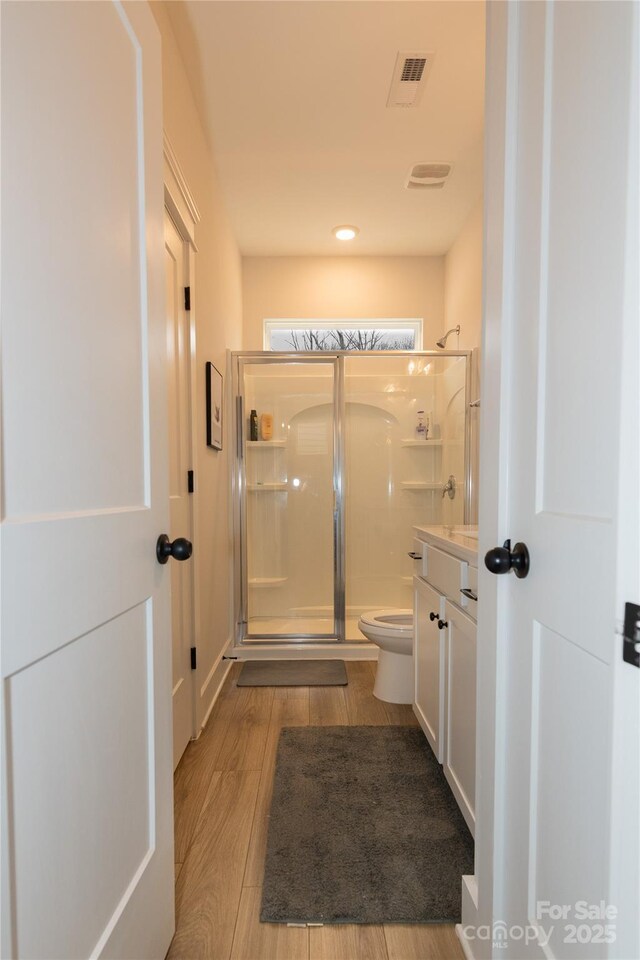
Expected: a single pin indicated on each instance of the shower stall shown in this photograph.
(324, 509)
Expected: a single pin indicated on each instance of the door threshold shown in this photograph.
(303, 650)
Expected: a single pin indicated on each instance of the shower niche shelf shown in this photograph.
(421, 443)
(267, 581)
(266, 487)
(263, 444)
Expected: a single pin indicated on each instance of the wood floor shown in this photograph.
(222, 795)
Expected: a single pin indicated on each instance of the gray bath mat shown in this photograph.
(363, 829)
(293, 673)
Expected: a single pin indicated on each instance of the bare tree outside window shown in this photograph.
(309, 340)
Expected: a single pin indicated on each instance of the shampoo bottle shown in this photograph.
(421, 426)
(266, 426)
(253, 426)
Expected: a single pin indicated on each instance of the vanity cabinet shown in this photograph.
(445, 602)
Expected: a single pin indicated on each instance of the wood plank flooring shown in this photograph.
(223, 788)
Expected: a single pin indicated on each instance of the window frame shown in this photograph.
(269, 326)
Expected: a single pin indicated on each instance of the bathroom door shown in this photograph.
(87, 820)
(291, 504)
(558, 717)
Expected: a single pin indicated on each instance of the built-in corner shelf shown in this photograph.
(420, 485)
(266, 487)
(261, 444)
(410, 442)
(266, 581)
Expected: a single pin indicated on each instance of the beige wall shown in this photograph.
(217, 303)
(463, 282)
(279, 288)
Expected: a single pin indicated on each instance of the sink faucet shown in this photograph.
(449, 487)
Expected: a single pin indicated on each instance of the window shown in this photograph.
(318, 335)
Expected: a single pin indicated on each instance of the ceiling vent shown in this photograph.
(428, 176)
(409, 78)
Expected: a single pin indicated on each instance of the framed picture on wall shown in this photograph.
(214, 407)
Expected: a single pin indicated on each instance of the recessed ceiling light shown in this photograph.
(345, 232)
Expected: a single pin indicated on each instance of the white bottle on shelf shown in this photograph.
(421, 426)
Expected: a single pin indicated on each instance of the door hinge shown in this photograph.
(187, 298)
(190, 481)
(193, 658)
(631, 637)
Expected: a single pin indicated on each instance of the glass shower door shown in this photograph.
(290, 510)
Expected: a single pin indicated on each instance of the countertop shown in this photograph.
(460, 541)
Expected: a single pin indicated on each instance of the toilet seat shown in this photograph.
(392, 631)
(390, 623)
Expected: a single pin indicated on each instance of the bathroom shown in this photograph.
(313, 552)
(337, 455)
(320, 464)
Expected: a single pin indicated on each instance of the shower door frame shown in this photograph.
(240, 578)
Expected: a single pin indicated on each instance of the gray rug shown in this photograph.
(293, 673)
(363, 829)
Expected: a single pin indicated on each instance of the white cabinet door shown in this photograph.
(428, 607)
(87, 820)
(460, 710)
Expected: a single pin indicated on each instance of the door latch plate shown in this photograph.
(631, 638)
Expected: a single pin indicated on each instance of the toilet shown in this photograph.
(392, 631)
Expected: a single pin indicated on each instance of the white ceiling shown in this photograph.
(294, 94)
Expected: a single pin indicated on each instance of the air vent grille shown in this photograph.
(413, 69)
(428, 176)
(431, 171)
(409, 78)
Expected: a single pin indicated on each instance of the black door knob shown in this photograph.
(503, 559)
(433, 616)
(180, 549)
(442, 624)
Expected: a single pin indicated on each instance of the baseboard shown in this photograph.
(469, 914)
(264, 650)
(464, 943)
(214, 681)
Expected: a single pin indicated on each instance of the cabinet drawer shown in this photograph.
(446, 573)
(418, 554)
(467, 602)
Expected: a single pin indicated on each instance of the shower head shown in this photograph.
(442, 342)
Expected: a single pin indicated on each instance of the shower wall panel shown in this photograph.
(394, 479)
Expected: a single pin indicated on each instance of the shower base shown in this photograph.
(268, 626)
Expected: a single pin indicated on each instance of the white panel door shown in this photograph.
(86, 655)
(179, 410)
(570, 96)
